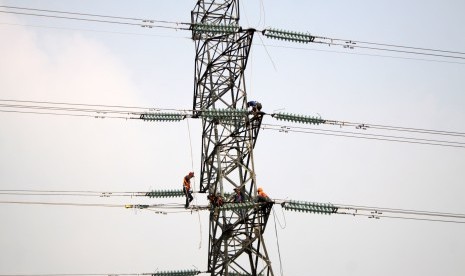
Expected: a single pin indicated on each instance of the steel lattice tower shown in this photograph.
(236, 245)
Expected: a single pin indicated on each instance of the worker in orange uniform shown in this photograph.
(262, 196)
(186, 188)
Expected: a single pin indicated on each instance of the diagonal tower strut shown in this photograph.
(222, 48)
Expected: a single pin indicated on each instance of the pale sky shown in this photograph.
(58, 60)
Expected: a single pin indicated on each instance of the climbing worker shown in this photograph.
(262, 196)
(256, 107)
(186, 188)
(238, 198)
(215, 200)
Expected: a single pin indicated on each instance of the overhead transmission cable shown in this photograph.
(89, 105)
(71, 109)
(399, 211)
(156, 114)
(79, 274)
(63, 114)
(291, 36)
(138, 110)
(411, 140)
(146, 23)
(285, 128)
(371, 212)
(396, 46)
(362, 54)
(179, 193)
(261, 44)
(97, 20)
(366, 126)
(393, 50)
(186, 272)
(70, 193)
(288, 205)
(80, 110)
(91, 15)
(304, 119)
(151, 194)
(95, 31)
(306, 38)
(156, 208)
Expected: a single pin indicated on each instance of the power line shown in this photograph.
(76, 109)
(94, 31)
(351, 44)
(366, 126)
(406, 218)
(71, 193)
(139, 194)
(66, 114)
(167, 208)
(394, 50)
(370, 212)
(58, 194)
(397, 46)
(265, 45)
(147, 25)
(361, 54)
(136, 112)
(141, 109)
(361, 126)
(409, 140)
(80, 274)
(63, 204)
(94, 15)
(171, 193)
(277, 244)
(71, 109)
(187, 272)
(400, 211)
(126, 206)
(91, 105)
(64, 191)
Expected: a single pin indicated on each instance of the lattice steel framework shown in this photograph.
(236, 244)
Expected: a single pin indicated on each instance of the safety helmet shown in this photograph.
(260, 189)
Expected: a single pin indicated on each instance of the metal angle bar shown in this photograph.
(227, 159)
(214, 61)
(212, 153)
(256, 219)
(215, 12)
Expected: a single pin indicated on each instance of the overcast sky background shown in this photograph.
(45, 59)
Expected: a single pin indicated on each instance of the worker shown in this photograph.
(256, 107)
(262, 196)
(238, 197)
(215, 200)
(186, 188)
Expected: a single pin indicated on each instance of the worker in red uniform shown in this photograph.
(262, 196)
(186, 188)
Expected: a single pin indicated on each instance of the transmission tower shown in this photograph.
(236, 245)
